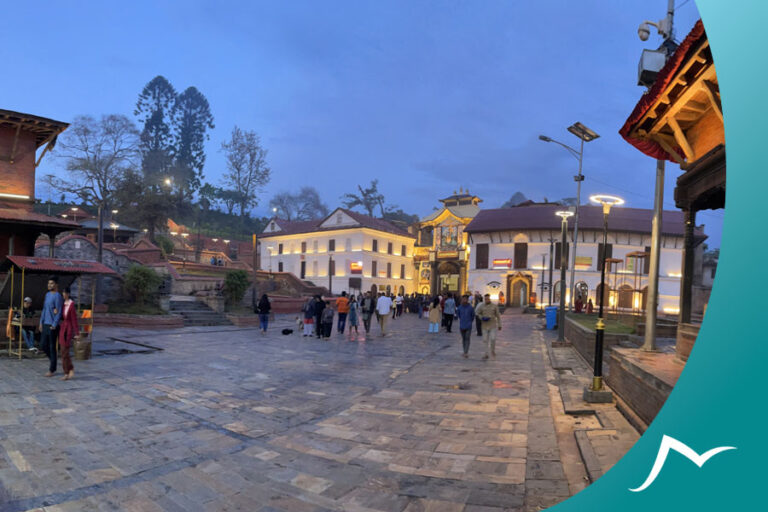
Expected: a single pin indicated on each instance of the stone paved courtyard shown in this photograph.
(223, 419)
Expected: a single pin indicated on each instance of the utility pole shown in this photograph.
(651, 313)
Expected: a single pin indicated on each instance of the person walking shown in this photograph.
(354, 313)
(383, 309)
(449, 311)
(399, 301)
(342, 306)
(319, 307)
(327, 320)
(69, 329)
(466, 314)
(489, 314)
(478, 322)
(309, 316)
(434, 316)
(49, 323)
(263, 309)
(368, 306)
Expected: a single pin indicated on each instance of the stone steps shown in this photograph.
(198, 313)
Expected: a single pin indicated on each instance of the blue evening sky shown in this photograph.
(426, 96)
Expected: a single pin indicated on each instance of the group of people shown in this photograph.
(318, 314)
(473, 311)
(58, 326)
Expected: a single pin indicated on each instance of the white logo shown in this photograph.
(670, 443)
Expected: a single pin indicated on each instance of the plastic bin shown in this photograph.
(551, 315)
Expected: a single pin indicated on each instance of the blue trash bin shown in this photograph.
(551, 314)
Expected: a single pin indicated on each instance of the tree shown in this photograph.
(98, 154)
(141, 282)
(230, 198)
(154, 108)
(392, 213)
(191, 118)
(143, 203)
(368, 199)
(568, 201)
(247, 169)
(235, 285)
(516, 199)
(306, 205)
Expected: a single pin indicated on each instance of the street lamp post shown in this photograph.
(596, 393)
(114, 227)
(330, 274)
(551, 265)
(563, 214)
(585, 135)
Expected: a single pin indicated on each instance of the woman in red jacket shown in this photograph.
(69, 329)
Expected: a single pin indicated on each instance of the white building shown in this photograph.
(344, 251)
(510, 250)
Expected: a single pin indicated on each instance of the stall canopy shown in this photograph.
(36, 273)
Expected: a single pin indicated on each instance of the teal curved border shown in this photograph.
(719, 399)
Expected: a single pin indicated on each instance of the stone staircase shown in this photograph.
(196, 313)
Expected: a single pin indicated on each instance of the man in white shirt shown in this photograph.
(384, 308)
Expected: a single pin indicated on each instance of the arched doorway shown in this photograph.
(582, 290)
(557, 292)
(625, 296)
(448, 277)
(401, 291)
(518, 290)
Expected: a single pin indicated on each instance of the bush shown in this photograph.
(235, 285)
(165, 244)
(141, 282)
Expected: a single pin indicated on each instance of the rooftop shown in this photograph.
(311, 226)
(44, 129)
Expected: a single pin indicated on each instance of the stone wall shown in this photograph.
(686, 337)
(583, 341)
(139, 321)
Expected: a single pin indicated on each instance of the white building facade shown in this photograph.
(346, 251)
(511, 250)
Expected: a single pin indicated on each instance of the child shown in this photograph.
(326, 320)
(435, 314)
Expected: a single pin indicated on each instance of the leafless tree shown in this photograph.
(247, 169)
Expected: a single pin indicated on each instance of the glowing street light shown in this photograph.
(596, 392)
(114, 227)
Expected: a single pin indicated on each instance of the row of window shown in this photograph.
(348, 247)
(520, 252)
(332, 269)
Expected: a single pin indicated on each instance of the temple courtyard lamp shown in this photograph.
(564, 215)
(596, 392)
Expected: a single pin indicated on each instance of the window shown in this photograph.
(402, 251)
(375, 246)
(481, 256)
(303, 247)
(280, 249)
(348, 244)
(374, 269)
(389, 270)
(314, 246)
(608, 254)
(402, 271)
(647, 261)
(389, 248)
(558, 249)
(331, 245)
(712, 272)
(338, 218)
(314, 268)
(521, 255)
(272, 227)
(303, 269)
(279, 266)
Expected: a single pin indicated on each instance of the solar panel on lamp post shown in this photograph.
(585, 135)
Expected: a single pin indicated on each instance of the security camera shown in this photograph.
(644, 31)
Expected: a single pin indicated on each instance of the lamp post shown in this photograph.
(330, 274)
(563, 214)
(596, 393)
(585, 135)
(551, 265)
(114, 227)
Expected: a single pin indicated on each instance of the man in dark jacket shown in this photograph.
(319, 307)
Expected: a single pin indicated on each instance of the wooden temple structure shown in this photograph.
(680, 119)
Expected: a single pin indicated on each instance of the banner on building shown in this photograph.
(502, 263)
(583, 262)
(356, 267)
